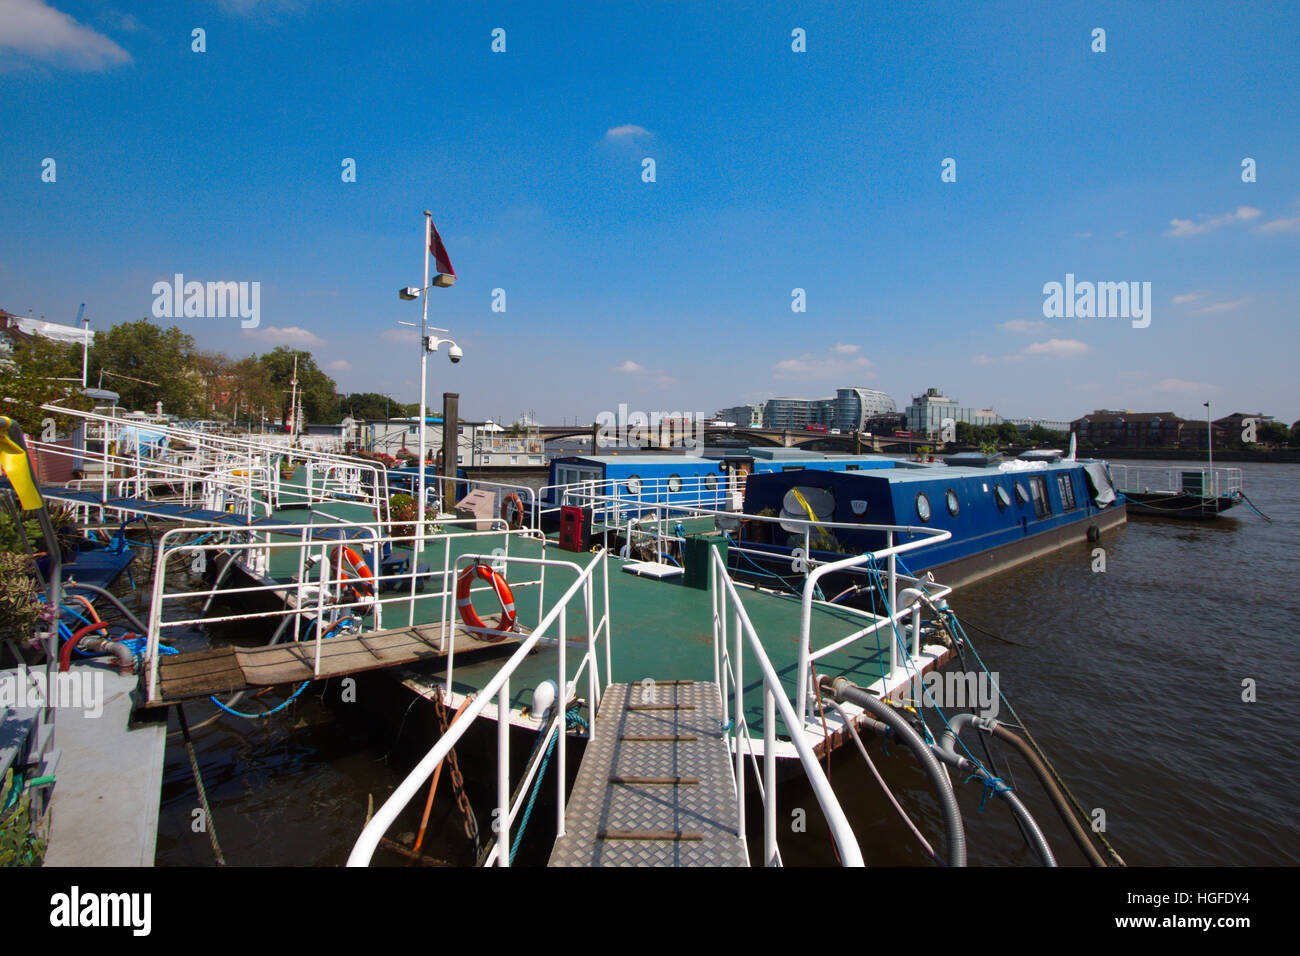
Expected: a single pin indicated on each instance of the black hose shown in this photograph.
(842, 689)
(1077, 832)
(95, 589)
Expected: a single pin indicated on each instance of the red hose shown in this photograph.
(65, 658)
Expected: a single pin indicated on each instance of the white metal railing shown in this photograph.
(311, 595)
(613, 501)
(435, 488)
(241, 469)
(1204, 481)
(499, 688)
(728, 663)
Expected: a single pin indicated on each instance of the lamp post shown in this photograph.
(428, 343)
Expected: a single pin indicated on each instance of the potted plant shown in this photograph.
(401, 507)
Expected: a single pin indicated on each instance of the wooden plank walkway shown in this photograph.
(228, 669)
(655, 786)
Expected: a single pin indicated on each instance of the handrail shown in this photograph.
(306, 539)
(498, 687)
(774, 700)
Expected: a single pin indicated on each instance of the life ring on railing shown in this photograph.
(509, 503)
(358, 577)
(508, 620)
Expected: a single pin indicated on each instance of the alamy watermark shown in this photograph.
(208, 300)
(956, 690)
(624, 429)
(1100, 300)
(82, 689)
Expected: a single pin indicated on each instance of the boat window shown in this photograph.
(674, 482)
(922, 506)
(851, 467)
(1004, 499)
(1021, 495)
(711, 482)
(633, 485)
(1066, 484)
(953, 504)
(1038, 488)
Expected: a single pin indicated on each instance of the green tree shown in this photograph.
(1008, 433)
(315, 388)
(965, 433)
(40, 371)
(373, 406)
(146, 364)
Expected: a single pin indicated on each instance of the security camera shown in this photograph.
(454, 353)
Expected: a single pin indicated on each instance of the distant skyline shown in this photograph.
(780, 178)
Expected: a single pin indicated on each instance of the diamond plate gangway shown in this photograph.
(655, 786)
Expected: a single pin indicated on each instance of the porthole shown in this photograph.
(922, 506)
(954, 505)
(711, 482)
(633, 485)
(674, 483)
(1022, 495)
(1004, 499)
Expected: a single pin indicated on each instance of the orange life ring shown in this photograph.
(361, 583)
(518, 522)
(506, 623)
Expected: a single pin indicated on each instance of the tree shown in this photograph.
(372, 406)
(1273, 433)
(146, 364)
(32, 379)
(1008, 433)
(965, 433)
(315, 388)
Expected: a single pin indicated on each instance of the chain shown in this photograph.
(457, 778)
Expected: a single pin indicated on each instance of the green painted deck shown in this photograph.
(661, 629)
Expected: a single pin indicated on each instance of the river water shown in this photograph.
(1134, 680)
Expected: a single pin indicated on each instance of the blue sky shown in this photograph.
(774, 170)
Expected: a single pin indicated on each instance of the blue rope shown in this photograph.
(991, 784)
(285, 703)
(571, 719)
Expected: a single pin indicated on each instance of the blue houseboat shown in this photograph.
(1000, 515)
(651, 479)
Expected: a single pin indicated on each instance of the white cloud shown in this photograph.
(1026, 326)
(1061, 348)
(1182, 385)
(341, 365)
(1187, 297)
(1223, 306)
(630, 367)
(845, 349)
(822, 368)
(1280, 225)
(405, 336)
(289, 335)
(38, 32)
(627, 129)
(1182, 228)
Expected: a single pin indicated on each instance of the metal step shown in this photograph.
(655, 787)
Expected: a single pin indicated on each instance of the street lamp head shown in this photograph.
(408, 293)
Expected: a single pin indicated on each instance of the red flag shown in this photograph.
(440, 254)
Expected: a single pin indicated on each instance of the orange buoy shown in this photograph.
(508, 620)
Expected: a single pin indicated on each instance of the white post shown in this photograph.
(769, 776)
(503, 772)
(424, 377)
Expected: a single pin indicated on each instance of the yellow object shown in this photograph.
(804, 502)
(17, 467)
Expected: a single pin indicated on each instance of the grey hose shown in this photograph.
(843, 689)
(947, 751)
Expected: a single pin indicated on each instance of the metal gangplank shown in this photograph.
(655, 786)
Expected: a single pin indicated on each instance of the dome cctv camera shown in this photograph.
(454, 353)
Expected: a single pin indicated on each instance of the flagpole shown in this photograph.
(1209, 443)
(424, 367)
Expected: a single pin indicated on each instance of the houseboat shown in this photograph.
(999, 514)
